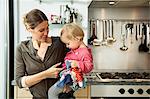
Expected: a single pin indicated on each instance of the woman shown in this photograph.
(37, 59)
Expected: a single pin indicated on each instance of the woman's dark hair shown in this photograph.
(34, 18)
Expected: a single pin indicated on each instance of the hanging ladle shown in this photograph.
(112, 30)
(104, 24)
(130, 27)
(93, 32)
(110, 39)
(124, 47)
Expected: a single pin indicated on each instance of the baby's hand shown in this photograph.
(74, 63)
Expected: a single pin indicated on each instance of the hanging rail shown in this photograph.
(123, 20)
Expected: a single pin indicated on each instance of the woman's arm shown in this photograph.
(27, 81)
(52, 72)
(20, 66)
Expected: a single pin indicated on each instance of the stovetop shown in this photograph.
(119, 84)
(119, 77)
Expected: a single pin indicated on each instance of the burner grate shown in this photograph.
(117, 75)
(125, 77)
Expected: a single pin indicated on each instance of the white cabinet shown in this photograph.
(83, 93)
(22, 93)
(25, 93)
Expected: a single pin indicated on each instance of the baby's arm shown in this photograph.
(86, 63)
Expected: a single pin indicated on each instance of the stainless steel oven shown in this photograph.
(121, 62)
(119, 84)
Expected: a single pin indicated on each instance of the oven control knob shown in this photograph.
(131, 91)
(140, 91)
(122, 91)
(148, 91)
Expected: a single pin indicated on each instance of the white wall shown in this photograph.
(119, 13)
(111, 57)
(49, 8)
(3, 49)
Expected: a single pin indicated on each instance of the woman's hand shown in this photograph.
(53, 71)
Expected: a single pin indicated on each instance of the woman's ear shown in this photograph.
(29, 29)
(61, 32)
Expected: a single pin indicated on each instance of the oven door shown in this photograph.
(101, 90)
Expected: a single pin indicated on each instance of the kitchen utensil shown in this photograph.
(104, 42)
(99, 34)
(140, 31)
(112, 28)
(105, 29)
(124, 47)
(136, 34)
(143, 46)
(148, 33)
(99, 30)
(130, 26)
(93, 30)
(110, 39)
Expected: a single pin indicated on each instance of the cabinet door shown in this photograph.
(22, 93)
(83, 93)
(25, 93)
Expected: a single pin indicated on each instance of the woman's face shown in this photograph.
(40, 32)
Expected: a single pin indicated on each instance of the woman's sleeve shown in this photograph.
(86, 64)
(20, 66)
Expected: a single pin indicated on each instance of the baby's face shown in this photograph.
(70, 43)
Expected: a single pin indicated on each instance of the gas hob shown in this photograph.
(118, 76)
(119, 84)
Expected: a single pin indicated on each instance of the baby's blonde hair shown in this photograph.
(73, 31)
